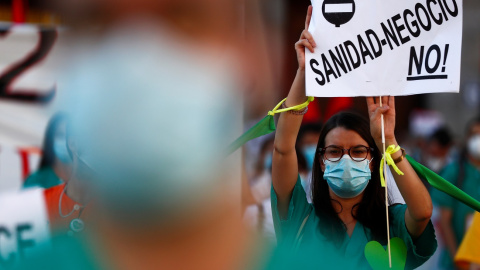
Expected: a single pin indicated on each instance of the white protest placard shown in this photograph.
(23, 226)
(384, 47)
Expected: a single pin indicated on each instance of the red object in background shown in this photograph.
(334, 105)
(25, 163)
(337, 104)
(314, 113)
(19, 8)
(25, 154)
(59, 224)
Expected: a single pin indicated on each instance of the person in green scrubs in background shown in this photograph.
(55, 165)
(456, 217)
(348, 208)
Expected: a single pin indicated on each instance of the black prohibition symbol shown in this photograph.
(338, 12)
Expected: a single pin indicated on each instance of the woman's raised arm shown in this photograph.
(417, 198)
(284, 166)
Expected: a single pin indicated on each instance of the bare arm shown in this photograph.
(417, 198)
(284, 162)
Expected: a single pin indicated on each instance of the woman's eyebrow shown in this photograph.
(334, 145)
(350, 146)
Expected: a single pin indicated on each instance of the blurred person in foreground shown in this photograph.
(464, 173)
(151, 97)
(55, 164)
(468, 255)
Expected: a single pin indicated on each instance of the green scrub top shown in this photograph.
(460, 212)
(44, 177)
(64, 253)
(316, 252)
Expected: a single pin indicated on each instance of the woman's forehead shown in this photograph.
(345, 138)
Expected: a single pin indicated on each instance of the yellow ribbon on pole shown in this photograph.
(387, 156)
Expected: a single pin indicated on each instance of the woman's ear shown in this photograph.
(370, 164)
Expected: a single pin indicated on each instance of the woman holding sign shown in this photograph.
(348, 208)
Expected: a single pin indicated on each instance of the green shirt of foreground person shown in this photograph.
(44, 177)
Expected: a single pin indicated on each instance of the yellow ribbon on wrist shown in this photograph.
(387, 156)
(296, 107)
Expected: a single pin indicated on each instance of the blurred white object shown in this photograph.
(23, 222)
(471, 95)
(261, 186)
(474, 146)
(258, 218)
(424, 122)
(393, 192)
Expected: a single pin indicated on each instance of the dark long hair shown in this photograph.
(371, 210)
(48, 156)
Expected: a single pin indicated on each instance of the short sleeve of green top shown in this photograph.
(44, 177)
(316, 251)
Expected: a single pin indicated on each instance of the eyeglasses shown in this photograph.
(357, 153)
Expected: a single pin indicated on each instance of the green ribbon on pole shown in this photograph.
(443, 185)
(265, 126)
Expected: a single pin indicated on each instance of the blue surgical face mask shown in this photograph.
(346, 177)
(309, 153)
(60, 149)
